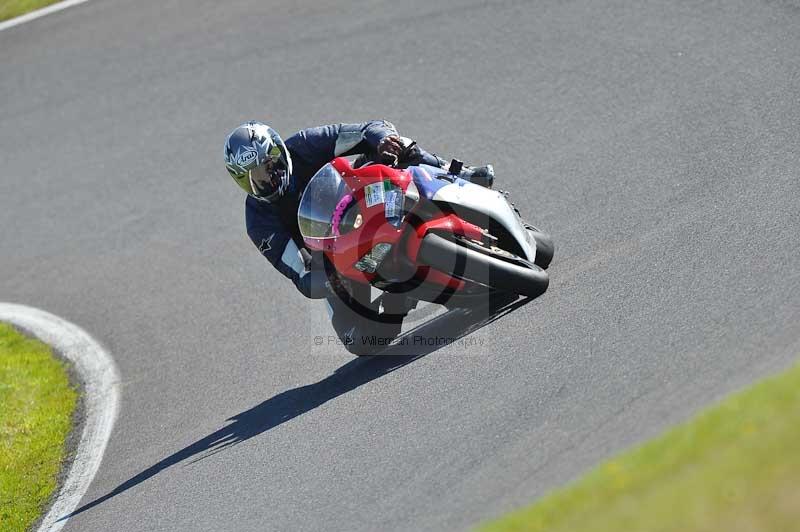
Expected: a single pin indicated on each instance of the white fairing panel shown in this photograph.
(492, 204)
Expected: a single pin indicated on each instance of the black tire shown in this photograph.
(545, 248)
(493, 268)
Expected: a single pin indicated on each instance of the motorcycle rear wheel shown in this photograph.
(490, 266)
(545, 248)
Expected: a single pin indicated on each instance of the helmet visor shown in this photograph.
(267, 178)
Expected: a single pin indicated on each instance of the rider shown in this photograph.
(274, 174)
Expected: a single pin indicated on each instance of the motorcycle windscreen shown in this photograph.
(324, 200)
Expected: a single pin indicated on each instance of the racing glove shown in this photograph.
(394, 150)
(390, 149)
(313, 283)
(316, 283)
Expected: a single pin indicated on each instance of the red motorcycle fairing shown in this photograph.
(345, 250)
(447, 223)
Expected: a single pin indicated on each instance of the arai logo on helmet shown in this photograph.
(246, 156)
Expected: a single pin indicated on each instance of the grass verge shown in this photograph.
(14, 8)
(36, 406)
(734, 467)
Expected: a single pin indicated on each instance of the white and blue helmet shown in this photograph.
(258, 161)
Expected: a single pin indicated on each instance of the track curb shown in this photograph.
(33, 15)
(100, 395)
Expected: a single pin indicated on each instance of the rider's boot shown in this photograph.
(480, 175)
(545, 249)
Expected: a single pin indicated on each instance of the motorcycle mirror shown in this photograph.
(455, 167)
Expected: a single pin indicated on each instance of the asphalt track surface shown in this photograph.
(658, 142)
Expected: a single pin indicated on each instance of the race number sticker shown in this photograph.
(373, 194)
(393, 204)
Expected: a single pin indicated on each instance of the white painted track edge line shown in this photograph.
(33, 15)
(100, 395)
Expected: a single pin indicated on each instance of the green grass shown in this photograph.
(14, 8)
(36, 406)
(734, 467)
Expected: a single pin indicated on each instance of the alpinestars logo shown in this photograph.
(266, 244)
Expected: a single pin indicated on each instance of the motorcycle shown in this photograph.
(422, 232)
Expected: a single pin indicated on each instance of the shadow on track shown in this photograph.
(453, 324)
